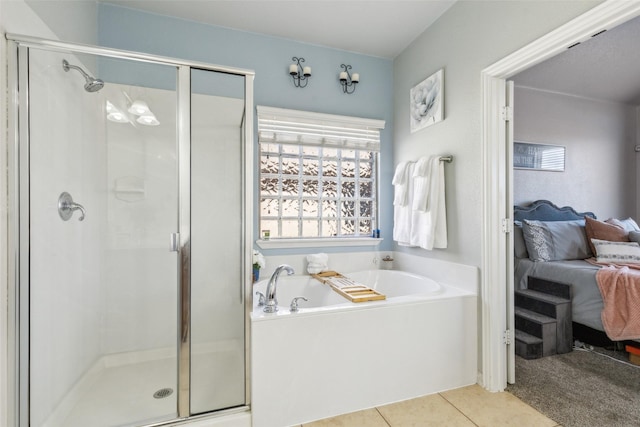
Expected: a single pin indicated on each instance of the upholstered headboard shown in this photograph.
(544, 210)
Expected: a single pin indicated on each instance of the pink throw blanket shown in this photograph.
(620, 289)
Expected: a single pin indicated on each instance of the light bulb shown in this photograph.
(117, 116)
(148, 120)
(139, 108)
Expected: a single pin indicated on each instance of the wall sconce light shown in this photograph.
(348, 80)
(299, 74)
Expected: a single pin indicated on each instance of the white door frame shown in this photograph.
(497, 188)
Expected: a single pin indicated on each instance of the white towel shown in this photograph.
(423, 165)
(429, 227)
(400, 181)
(317, 263)
(421, 182)
(402, 213)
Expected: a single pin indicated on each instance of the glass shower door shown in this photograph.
(102, 288)
(217, 221)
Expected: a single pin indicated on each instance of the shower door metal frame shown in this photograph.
(18, 198)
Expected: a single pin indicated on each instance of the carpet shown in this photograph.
(581, 388)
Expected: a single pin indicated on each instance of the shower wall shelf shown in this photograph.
(129, 188)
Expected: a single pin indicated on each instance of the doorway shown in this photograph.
(498, 365)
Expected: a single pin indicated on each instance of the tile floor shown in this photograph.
(464, 407)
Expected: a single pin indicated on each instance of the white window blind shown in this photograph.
(282, 126)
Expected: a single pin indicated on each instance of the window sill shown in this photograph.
(317, 243)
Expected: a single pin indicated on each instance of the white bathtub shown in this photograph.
(334, 356)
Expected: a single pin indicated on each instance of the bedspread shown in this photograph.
(620, 288)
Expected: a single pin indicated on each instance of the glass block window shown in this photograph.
(317, 180)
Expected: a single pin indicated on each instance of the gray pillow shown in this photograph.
(556, 240)
(519, 246)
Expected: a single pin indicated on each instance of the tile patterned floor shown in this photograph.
(470, 406)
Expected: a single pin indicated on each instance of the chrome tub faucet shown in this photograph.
(271, 304)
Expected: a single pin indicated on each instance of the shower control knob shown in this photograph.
(66, 207)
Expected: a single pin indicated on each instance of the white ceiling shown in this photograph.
(381, 28)
(606, 67)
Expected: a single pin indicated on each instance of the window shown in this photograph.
(318, 174)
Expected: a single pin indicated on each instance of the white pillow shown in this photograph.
(617, 252)
(627, 224)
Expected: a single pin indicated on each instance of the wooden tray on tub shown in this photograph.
(350, 289)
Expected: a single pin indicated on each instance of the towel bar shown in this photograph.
(447, 159)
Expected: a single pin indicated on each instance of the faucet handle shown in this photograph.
(262, 299)
(294, 304)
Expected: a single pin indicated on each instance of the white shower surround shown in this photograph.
(122, 246)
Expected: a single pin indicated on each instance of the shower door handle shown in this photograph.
(174, 242)
(66, 207)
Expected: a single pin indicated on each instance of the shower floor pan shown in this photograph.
(124, 390)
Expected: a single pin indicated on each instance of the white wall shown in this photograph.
(60, 13)
(466, 39)
(600, 162)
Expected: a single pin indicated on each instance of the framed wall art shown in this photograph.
(426, 103)
(538, 156)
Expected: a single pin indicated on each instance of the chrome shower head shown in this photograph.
(91, 83)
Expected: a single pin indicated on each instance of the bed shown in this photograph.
(557, 236)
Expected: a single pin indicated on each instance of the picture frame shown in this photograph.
(542, 157)
(426, 101)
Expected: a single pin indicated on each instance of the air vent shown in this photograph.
(598, 33)
(573, 45)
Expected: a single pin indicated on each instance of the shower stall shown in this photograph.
(130, 236)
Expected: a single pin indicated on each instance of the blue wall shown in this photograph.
(269, 57)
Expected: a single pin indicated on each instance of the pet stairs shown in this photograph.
(543, 319)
